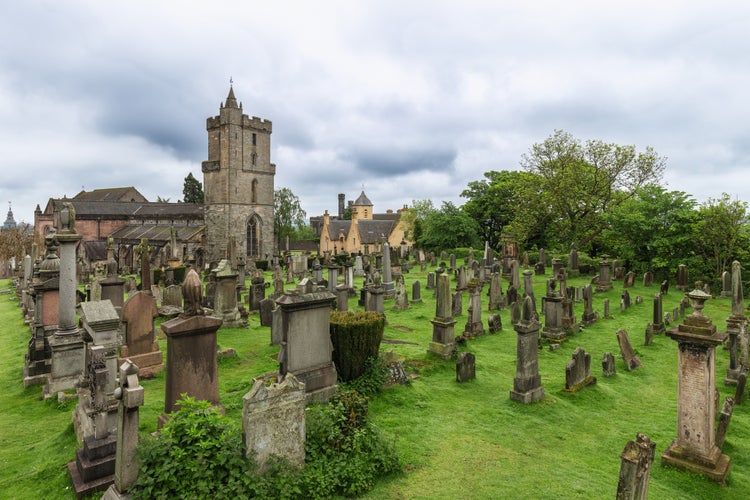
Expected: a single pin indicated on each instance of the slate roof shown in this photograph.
(125, 210)
(155, 232)
(374, 231)
(95, 250)
(124, 194)
(363, 200)
(337, 226)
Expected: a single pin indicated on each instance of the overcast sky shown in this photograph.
(412, 99)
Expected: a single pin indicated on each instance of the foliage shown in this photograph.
(582, 181)
(492, 201)
(373, 379)
(447, 227)
(653, 229)
(355, 336)
(287, 213)
(159, 199)
(345, 452)
(16, 242)
(722, 228)
(302, 233)
(192, 190)
(198, 453)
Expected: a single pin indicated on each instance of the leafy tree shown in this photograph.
(721, 230)
(303, 232)
(654, 228)
(192, 190)
(413, 218)
(582, 181)
(16, 242)
(448, 227)
(492, 201)
(287, 213)
(159, 199)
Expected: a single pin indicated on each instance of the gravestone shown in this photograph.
(515, 313)
(635, 468)
(388, 288)
(528, 286)
(416, 292)
(724, 418)
(130, 397)
(306, 348)
(257, 290)
(333, 278)
(225, 303)
(657, 326)
(553, 312)
(736, 327)
(461, 283)
(443, 341)
(494, 323)
(569, 322)
(648, 278)
(739, 393)
(726, 284)
(578, 371)
(140, 345)
(266, 312)
(401, 301)
(66, 344)
(556, 267)
(430, 281)
(474, 326)
(629, 279)
(539, 269)
(589, 317)
(172, 296)
(606, 309)
(573, 269)
(625, 301)
(273, 422)
(511, 297)
(605, 279)
(682, 278)
(192, 364)
(515, 277)
(617, 270)
(664, 287)
(628, 355)
(465, 367)
(457, 304)
(527, 384)
(695, 448)
(359, 269)
(608, 365)
(497, 301)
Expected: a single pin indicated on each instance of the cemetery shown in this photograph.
(474, 406)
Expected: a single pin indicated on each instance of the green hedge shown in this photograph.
(356, 336)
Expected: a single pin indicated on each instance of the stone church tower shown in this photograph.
(238, 184)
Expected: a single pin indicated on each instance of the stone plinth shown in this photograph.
(191, 361)
(695, 449)
(443, 335)
(553, 312)
(605, 278)
(306, 348)
(38, 360)
(225, 301)
(273, 421)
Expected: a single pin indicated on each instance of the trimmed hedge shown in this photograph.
(356, 336)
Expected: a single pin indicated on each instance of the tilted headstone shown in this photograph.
(628, 355)
(724, 418)
(141, 347)
(494, 323)
(635, 468)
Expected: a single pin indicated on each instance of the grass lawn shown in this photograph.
(466, 440)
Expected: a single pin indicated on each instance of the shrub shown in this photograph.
(179, 274)
(356, 336)
(373, 379)
(262, 264)
(198, 453)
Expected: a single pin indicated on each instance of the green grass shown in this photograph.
(464, 440)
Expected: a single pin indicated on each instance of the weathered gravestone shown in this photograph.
(273, 421)
(589, 317)
(608, 365)
(497, 301)
(736, 328)
(443, 341)
(140, 345)
(605, 279)
(474, 326)
(724, 418)
(527, 384)
(172, 296)
(578, 371)
(266, 312)
(553, 312)
(457, 304)
(682, 278)
(635, 468)
(416, 292)
(494, 323)
(465, 367)
(628, 355)
(695, 448)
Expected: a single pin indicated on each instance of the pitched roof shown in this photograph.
(374, 231)
(156, 232)
(363, 200)
(338, 226)
(124, 210)
(124, 194)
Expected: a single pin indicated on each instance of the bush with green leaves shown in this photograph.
(197, 454)
(356, 336)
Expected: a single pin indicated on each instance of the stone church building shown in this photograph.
(238, 184)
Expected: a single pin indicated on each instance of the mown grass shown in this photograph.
(464, 440)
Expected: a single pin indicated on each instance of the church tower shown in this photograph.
(238, 184)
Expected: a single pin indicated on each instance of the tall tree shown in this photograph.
(582, 181)
(653, 229)
(287, 213)
(721, 228)
(492, 201)
(192, 190)
(16, 242)
(448, 227)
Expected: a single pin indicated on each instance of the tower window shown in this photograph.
(255, 139)
(254, 191)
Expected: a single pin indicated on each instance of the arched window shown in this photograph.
(253, 237)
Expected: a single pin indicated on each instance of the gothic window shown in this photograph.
(254, 191)
(253, 237)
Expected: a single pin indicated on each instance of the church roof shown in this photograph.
(124, 194)
(363, 200)
(123, 210)
(231, 100)
(155, 232)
